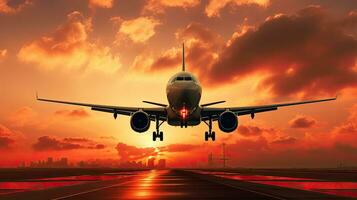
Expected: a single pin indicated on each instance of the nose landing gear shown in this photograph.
(210, 134)
(158, 134)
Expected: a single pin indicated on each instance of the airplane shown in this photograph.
(184, 109)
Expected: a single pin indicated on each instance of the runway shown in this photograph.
(164, 184)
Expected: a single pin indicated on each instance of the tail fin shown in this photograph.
(183, 57)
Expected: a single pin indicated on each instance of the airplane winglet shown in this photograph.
(338, 94)
(36, 95)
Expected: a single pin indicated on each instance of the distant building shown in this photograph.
(161, 164)
(63, 162)
(151, 163)
(49, 161)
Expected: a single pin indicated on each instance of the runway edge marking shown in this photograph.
(244, 189)
(90, 191)
(253, 191)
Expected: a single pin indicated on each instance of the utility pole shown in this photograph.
(210, 160)
(224, 156)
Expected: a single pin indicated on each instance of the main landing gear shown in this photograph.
(158, 134)
(210, 134)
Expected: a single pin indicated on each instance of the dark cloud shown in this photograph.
(75, 113)
(47, 143)
(100, 146)
(12, 7)
(306, 53)
(5, 142)
(285, 140)
(78, 140)
(347, 148)
(302, 122)
(247, 130)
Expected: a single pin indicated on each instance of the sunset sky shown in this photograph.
(121, 52)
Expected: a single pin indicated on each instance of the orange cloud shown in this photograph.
(3, 54)
(350, 125)
(302, 122)
(101, 3)
(201, 45)
(6, 139)
(6, 8)
(24, 116)
(215, 6)
(75, 113)
(69, 48)
(138, 30)
(159, 6)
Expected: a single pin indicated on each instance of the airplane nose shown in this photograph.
(184, 96)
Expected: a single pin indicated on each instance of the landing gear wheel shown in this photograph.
(206, 136)
(161, 136)
(213, 136)
(154, 136)
(158, 134)
(210, 134)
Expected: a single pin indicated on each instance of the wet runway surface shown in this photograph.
(168, 184)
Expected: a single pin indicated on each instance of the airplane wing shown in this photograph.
(208, 112)
(121, 110)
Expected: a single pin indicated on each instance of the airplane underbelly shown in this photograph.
(174, 119)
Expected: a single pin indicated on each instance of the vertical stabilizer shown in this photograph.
(183, 57)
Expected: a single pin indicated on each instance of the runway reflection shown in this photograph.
(156, 184)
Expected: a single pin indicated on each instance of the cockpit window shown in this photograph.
(184, 78)
(179, 78)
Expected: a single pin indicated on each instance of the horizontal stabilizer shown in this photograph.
(156, 104)
(213, 103)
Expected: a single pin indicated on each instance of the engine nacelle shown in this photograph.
(140, 121)
(227, 121)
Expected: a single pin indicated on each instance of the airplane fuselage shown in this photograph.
(183, 94)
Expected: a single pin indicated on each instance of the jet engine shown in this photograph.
(227, 121)
(140, 121)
